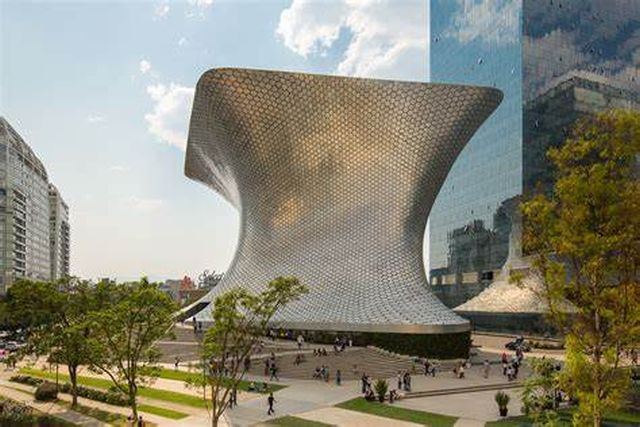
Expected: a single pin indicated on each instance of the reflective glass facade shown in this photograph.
(555, 61)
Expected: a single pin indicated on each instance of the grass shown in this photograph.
(99, 414)
(618, 418)
(104, 384)
(170, 374)
(419, 417)
(163, 412)
(291, 421)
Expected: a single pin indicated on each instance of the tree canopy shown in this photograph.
(585, 242)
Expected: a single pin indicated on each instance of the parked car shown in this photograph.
(13, 346)
(518, 343)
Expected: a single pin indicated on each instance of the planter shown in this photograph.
(503, 412)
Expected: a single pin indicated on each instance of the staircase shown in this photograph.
(462, 390)
(352, 363)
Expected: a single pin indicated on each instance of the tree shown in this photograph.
(539, 392)
(585, 242)
(53, 316)
(124, 332)
(239, 320)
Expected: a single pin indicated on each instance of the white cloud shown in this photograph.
(145, 66)
(203, 4)
(95, 118)
(144, 205)
(492, 21)
(170, 116)
(199, 7)
(118, 168)
(161, 10)
(182, 41)
(388, 39)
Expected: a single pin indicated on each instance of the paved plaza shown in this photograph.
(316, 399)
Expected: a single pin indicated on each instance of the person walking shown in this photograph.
(338, 377)
(271, 400)
(363, 380)
(233, 398)
(400, 380)
(274, 373)
(486, 368)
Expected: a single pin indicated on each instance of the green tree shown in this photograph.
(53, 316)
(240, 319)
(124, 332)
(539, 392)
(585, 242)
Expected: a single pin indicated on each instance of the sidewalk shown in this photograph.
(346, 418)
(50, 408)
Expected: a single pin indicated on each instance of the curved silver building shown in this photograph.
(334, 178)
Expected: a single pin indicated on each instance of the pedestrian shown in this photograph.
(338, 377)
(140, 421)
(233, 399)
(177, 362)
(274, 373)
(363, 380)
(247, 364)
(400, 378)
(300, 341)
(486, 368)
(271, 401)
(267, 366)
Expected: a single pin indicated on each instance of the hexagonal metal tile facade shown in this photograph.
(334, 178)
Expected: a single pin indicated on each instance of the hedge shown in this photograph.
(110, 397)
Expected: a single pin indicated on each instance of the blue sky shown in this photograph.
(102, 91)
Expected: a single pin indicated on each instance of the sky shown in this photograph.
(102, 92)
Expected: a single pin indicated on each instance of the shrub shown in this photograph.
(381, 388)
(112, 397)
(25, 379)
(14, 413)
(502, 399)
(46, 392)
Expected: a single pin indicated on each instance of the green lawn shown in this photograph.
(389, 411)
(104, 384)
(290, 421)
(619, 419)
(99, 414)
(171, 374)
(163, 412)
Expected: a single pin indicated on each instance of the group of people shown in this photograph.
(367, 390)
(460, 369)
(429, 368)
(340, 344)
(321, 373)
(320, 351)
(511, 367)
(404, 381)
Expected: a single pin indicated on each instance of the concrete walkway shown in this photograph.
(344, 417)
(50, 408)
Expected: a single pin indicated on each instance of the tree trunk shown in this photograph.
(133, 391)
(73, 377)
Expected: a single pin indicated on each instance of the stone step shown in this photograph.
(461, 390)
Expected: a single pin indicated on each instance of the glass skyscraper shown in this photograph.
(555, 61)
